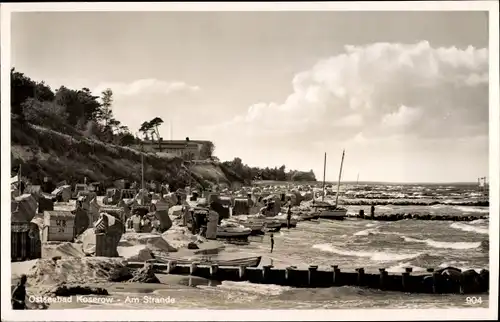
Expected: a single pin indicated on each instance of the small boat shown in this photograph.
(232, 230)
(331, 211)
(270, 223)
(253, 261)
(256, 226)
(281, 218)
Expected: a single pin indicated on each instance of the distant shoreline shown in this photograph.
(261, 182)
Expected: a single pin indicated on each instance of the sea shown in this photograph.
(350, 244)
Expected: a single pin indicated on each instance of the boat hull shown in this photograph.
(237, 262)
(243, 235)
(337, 214)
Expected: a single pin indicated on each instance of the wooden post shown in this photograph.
(361, 275)
(214, 268)
(336, 274)
(193, 268)
(171, 266)
(405, 278)
(311, 274)
(242, 273)
(265, 272)
(383, 278)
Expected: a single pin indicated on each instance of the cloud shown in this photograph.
(381, 90)
(146, 86)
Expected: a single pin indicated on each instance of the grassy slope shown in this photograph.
(43, 152)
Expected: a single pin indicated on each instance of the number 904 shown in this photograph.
(473, 300)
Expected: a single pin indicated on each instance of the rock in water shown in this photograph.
(192, 245)
(145, 275)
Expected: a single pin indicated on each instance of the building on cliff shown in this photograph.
(189, 150)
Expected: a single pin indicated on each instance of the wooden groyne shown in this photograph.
(449, 280)
(416, 216)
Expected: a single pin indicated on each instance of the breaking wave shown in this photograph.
(261, 289)
(375, 256)
(400, 268)
(467, 227)
(446, 245)
(472, 209)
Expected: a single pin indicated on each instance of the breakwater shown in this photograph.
(442, 281)
(416, 216)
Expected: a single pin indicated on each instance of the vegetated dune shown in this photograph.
(44, 152)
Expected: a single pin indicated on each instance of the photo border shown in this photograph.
(256, 315)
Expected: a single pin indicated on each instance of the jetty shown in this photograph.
(416, 216)
(443, 281)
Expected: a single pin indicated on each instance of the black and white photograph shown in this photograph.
(271, 158)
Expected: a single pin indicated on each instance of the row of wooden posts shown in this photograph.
(430, 282)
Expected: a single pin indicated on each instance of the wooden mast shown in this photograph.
(340, 176)
(324, 175)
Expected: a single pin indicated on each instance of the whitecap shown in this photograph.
(365, 232)
(264, 289)
(400, 268)
(375, 256)
(468, 209)
(466, 227)
(441, 244)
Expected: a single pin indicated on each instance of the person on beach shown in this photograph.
(272, 242)
(289, 216)
(372, 211)
(19, 295)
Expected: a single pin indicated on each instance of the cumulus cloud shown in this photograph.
(382, 90)
(146, 86)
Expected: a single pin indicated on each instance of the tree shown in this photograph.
(154, 123)
(105, 114)
(207, 150)
(22, 88)
(145, 129)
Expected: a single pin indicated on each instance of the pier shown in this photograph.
(415, 216)
(443, 281)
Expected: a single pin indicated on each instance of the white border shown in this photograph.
(257, 315)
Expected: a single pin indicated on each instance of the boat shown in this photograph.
(256, 226)
(221, 260)
(281, 218)
(327, 210)
(271, 224)
(232, 230)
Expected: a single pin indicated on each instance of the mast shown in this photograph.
(324, 175)
(340, 176)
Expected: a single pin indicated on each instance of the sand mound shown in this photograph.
(153, 241)
(63, 250)
(77, 270)
(137, 253)
(179, 237)
(145, 275)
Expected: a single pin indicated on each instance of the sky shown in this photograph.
(404, 93)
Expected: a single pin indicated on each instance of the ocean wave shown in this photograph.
(366, 232)
(375, 256)
(262, 289)
(446, 245)
(479, 222)
(466, 227)
(467, 209)
(370, 225)
(400, 268)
